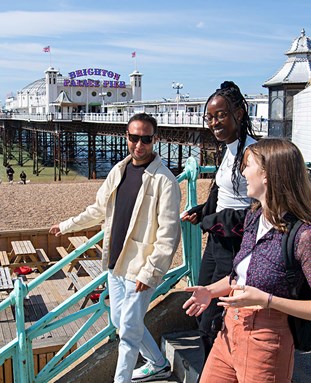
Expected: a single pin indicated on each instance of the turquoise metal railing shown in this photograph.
(20, 348)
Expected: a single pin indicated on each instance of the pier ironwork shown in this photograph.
(87, 142)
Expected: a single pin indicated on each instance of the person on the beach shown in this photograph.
(222, 216)
(139, 203)
(10, 173)
(23, 177)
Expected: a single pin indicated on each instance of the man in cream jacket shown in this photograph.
(139, 205)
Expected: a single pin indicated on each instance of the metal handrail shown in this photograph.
(20, 348)
(167, 118)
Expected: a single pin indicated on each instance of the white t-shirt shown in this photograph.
(241, 269)
(226, 197)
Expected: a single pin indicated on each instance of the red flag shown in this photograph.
(133, 54)
(46, 49)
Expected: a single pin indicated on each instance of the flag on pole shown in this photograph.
(46, 49)
(133, 54)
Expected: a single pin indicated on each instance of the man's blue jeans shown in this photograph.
(128, 310)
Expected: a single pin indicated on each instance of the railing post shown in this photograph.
(22, 369)
(192, 233)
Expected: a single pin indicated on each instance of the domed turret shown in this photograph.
(288, 81)
(297, 68)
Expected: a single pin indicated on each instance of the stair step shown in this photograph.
(183, 351)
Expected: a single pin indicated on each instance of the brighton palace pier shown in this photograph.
(81, 118)
(64, 121)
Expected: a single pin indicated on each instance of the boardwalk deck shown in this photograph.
(43, 299)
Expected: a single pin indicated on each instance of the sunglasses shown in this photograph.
(144, 139)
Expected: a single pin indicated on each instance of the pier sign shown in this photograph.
(113, 77)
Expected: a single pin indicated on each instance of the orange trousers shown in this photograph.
(256, 346)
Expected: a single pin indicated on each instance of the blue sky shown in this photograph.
(199, 43)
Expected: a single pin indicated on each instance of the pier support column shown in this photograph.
(35, 153)
(92, 155)
(57, 153)
(180, 158)
(4, 144)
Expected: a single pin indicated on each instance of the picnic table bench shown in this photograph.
(6, 283)
(4, 259)
(38, 259)
(63, 253)
(93, 268)
(93, 253)
(24, 254)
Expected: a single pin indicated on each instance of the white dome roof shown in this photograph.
(35, 86)
(297, 68)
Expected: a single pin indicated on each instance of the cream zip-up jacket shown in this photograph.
(154, 230)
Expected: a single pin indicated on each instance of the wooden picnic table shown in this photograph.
(77, 241)
(6, 283)
(93, 268)
(88, 264)
(22, 249)
(93, 253)
(24, 254)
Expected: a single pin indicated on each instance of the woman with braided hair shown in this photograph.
(222, 216)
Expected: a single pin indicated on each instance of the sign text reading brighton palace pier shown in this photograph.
(113, 77)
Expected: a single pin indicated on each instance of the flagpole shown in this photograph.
(47, 49)
(134, 56)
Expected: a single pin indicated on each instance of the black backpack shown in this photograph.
(300, 328)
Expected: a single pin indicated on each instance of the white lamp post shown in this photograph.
(177, 86)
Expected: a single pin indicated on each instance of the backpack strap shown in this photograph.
(288, 252)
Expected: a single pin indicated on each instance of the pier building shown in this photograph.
(66, 97)
(79, 121)
(291, 79)
(82, 90)
(90, 141)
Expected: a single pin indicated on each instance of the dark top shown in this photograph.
(9, 171)
(125, 200)
(226, 223)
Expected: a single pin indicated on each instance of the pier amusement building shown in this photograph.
(80, 120)
(96, 90)
(82, 90)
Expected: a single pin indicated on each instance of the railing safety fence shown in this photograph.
(20, 348)
(167, 118)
